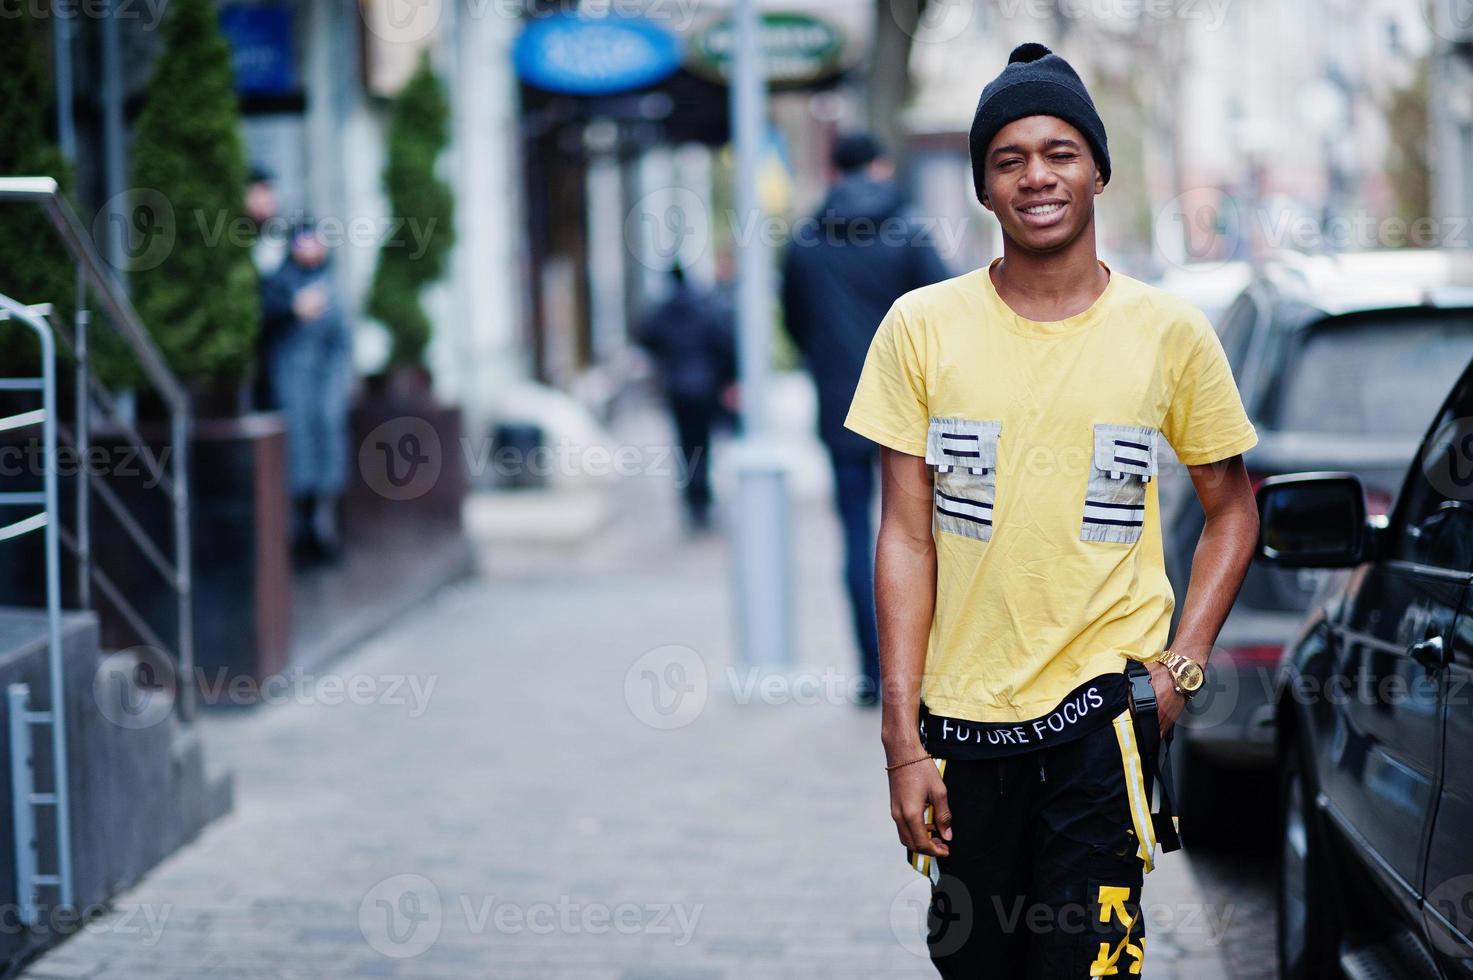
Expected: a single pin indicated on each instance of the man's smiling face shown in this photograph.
(1041, 182)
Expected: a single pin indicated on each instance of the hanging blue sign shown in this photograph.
(594, 55)
(260, 41)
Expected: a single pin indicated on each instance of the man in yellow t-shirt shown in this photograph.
(1023, 410)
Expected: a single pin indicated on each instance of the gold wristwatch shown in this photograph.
(1188, 673)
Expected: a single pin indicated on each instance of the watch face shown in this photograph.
(1189, 675)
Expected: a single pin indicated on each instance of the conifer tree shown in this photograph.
(419, 124)
(201, 300)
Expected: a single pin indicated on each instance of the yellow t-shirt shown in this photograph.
(1044, 445)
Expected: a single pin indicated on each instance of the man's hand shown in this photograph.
(310, 302)
(1169, 704)
(911, 788)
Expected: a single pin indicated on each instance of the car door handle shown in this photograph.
(1429, 653)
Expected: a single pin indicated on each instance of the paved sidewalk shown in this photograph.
(558, 770)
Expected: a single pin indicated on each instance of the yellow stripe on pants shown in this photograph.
(1135, 788)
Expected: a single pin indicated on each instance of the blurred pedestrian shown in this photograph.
(268, 249)
(692, 338)
(1023, 601)
(861, 250)
(310, 375)
(263, 210)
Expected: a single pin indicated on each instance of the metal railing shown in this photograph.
(95, 279)
(24, 795)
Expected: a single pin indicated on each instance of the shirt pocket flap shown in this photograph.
(1125, 449)
(963, 443)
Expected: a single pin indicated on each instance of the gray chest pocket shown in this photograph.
(1123, 462)
(964, 454)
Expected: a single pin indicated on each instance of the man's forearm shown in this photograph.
(905, 597)
(1224, 552)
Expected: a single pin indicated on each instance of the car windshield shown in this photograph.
(1381, 375)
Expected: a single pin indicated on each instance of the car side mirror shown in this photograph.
(1312, 520)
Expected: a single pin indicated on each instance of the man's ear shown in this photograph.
(986, 199)
(1099, 182)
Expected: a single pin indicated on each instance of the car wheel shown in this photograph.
(1307, 933)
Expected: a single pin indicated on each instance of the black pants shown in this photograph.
(1046, 866)
(854, 495)
(693, 421)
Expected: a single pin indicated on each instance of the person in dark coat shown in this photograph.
(691, 336)
(842, 269)
(310, 374)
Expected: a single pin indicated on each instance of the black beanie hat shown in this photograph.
(854, 150)
(1036, 82)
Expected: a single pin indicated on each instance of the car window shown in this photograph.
(1435, 515)
(1370, 375)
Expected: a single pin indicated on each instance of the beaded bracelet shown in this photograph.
(912, 762)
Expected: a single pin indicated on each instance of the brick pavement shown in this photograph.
(507, 785)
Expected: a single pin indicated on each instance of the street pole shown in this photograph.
(763, 572)
(61, 41)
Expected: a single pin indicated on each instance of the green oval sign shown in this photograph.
(797, 48)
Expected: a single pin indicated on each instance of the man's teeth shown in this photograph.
(1042, 209)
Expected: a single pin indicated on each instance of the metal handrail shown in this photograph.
(54, 714)
(45, 192)
(94, 275)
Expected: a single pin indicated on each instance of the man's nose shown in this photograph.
(1036, 173)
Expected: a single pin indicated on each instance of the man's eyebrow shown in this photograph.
(1056, 142)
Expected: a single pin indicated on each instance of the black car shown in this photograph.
(1340, 360)
(1374, 706)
